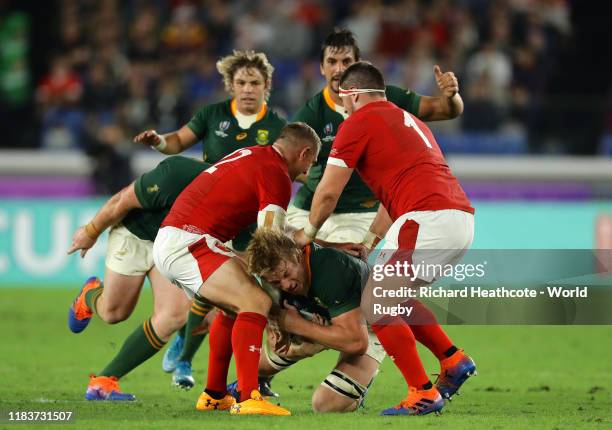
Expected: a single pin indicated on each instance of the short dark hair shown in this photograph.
(362, 74)
(340, 38)
(296, 132)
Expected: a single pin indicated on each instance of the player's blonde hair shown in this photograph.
(230, 64)
(267, 248)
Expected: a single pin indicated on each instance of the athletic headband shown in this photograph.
(346, 93)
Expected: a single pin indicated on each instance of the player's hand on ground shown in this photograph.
(447, 82)
(148, 137)
(81, 241)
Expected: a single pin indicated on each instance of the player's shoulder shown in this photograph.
(323, 255)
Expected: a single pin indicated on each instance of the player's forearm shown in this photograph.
(440, 108)
(173, 144)
(113, 211)
(323, 205)
(332, 336)
(454, 106)
(382, 222)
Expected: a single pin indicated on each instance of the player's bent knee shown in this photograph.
(327, 401)
(115, 315)
(338, 393)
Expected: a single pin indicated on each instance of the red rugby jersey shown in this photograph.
(226, 198)
(398, 157)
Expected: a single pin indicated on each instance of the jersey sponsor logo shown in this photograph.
(241, 136)
(223, 126)
(327, 131)
(152, 189)
(262, 137)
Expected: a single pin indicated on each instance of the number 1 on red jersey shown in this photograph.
(409, 122)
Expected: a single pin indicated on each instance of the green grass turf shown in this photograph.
(529, 377)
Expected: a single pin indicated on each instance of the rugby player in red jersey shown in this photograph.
(423, 207)
(250, 185)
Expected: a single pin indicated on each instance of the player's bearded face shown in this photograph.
(335, 62)
(249, 90)
(289, 276)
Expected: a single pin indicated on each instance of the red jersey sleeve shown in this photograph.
(349, 144)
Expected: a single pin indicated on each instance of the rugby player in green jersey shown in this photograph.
(333, 280)
(240, 121)
(324, 112)
(134, 216)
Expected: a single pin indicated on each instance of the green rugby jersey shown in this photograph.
(216, 125)
(336, 279)
(320, 113)
(157, 190)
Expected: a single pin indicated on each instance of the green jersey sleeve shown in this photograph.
(159, 187)
(405, 99)
(199, 122)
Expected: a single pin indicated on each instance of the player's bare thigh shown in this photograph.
(232, 288)
(361, 369)
(128, 259)
(170, 305)
(120, 296)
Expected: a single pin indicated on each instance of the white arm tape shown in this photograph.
(272, 216)
(161, 146)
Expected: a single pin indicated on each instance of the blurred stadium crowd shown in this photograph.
(105, 70)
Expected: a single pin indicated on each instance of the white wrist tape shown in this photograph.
(369, 239)
(161, 146)
(310, 230)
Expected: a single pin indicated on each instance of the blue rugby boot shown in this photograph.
(182, 376)
(454, 371)
(173, 353)
(418, 402)
(106, 388)
(79, 313)
(265, 387)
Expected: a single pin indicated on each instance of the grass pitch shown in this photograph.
(529, 377)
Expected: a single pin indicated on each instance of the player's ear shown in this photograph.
(305, 152)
